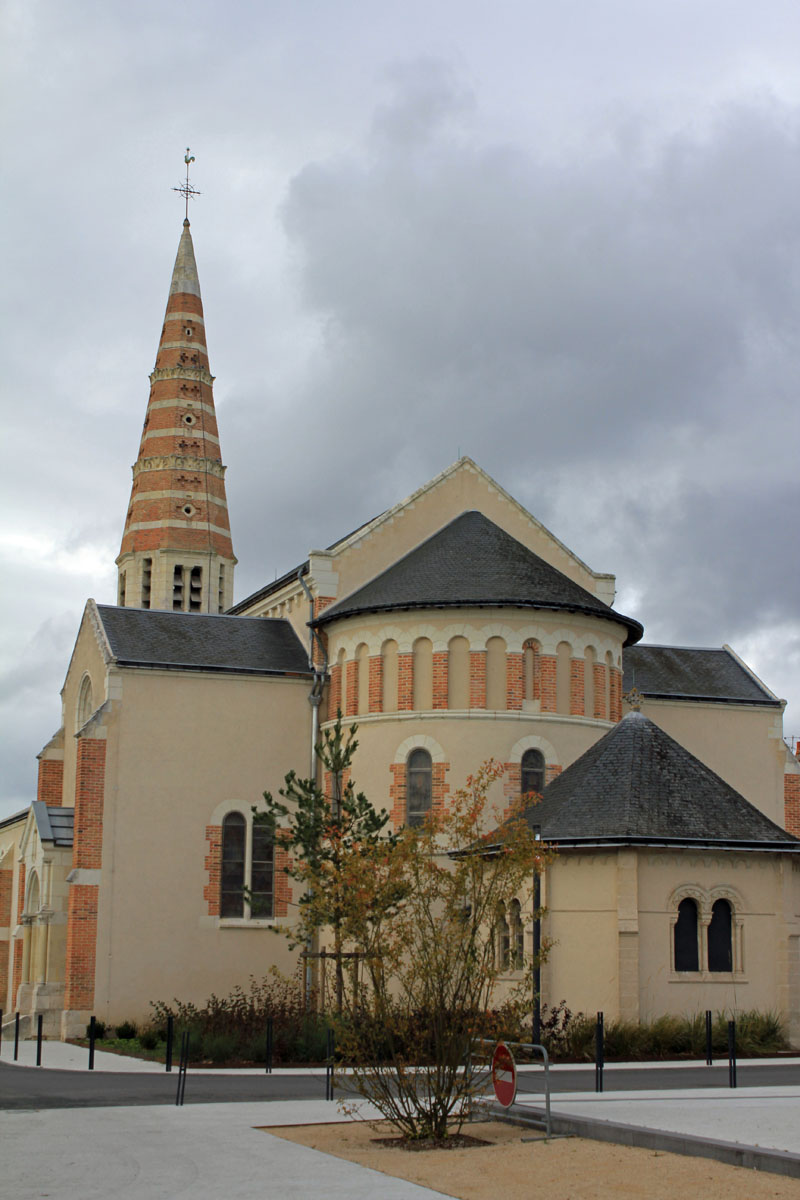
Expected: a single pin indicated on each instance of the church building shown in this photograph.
(453, 628)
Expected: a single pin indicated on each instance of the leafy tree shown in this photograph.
(325, 835)
(425, 916)
(418, 913)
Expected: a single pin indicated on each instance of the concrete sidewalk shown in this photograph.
(203, 1151)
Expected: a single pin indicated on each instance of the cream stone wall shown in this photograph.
(742, 743)
(610, 918)
(182, 750)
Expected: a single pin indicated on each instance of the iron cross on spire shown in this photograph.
(186, 188)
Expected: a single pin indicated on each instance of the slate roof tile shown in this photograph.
(200, 641)
(691, 673)
(638, 783)
(472, 562)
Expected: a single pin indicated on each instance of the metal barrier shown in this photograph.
(534, 1048)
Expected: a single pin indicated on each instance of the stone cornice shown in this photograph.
(179, 462)
(182, 372)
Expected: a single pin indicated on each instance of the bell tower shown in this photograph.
(176, 548)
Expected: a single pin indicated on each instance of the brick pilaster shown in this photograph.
(87, 855)
(600, 691)
(477, 679)
(515, 680)
(50, 784)
(281, 881)
(576, 687)
(791, 803)
(335, 690)
(440, 658)
(405, 682)
(615, 692)
(350, 705)
(376, 683)
(547, 682)
(6, 890)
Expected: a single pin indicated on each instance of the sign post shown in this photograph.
(504, 1075)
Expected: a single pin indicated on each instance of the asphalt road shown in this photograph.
(36, 1088)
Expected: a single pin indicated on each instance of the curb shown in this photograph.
(757, 1158)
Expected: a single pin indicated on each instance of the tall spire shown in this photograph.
(176, 548)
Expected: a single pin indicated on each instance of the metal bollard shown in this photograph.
(181, 1092)
(268, 1055)
(599, 1053)
(170, 1038)
(92, 1036)
(1, 1031)
(732, 1054)
(329, 1067)
(39, 1021)
(709, 1048)
(16, 1036)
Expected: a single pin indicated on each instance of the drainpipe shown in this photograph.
(314, 699)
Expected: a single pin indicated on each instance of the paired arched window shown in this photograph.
(687, 957)
(718, 937)
(419, 786)
(532, 772)
(502, 939)
(247, 882)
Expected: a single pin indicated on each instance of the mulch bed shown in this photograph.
(456, 1141)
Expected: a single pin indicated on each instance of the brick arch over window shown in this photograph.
(398, 788)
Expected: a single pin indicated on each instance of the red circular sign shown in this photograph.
(504, 1075)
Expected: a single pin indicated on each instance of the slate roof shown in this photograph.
(692, 674)
(54, 824)
(473, 563)
(637, 785)
(198, 641)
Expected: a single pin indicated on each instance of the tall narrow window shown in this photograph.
(686, 953)
(147, 576)
(262, 875)
(532, 772)
(720, 944)
(517, 935)
(502, 939)
(196, 589)
(85, 702)
(419, 786)
(221, 589)
(177, 589)
(121, 591)
(234, 840)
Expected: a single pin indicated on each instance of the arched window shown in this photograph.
(686, 953)
(502, 936)
(234, 839)
(247, 885)
(517, 935)
(532, 772)
(720, 942)
(419, 786)
(85, 702)
(262, 871)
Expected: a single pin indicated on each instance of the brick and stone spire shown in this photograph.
(176, 547)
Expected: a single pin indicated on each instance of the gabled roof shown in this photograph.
(473, 563)
(201, 642)
(53, 824)
(688, 673)
(637, 785)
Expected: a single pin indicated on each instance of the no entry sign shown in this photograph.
(504, 1075)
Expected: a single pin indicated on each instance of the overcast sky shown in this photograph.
(562, 239)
